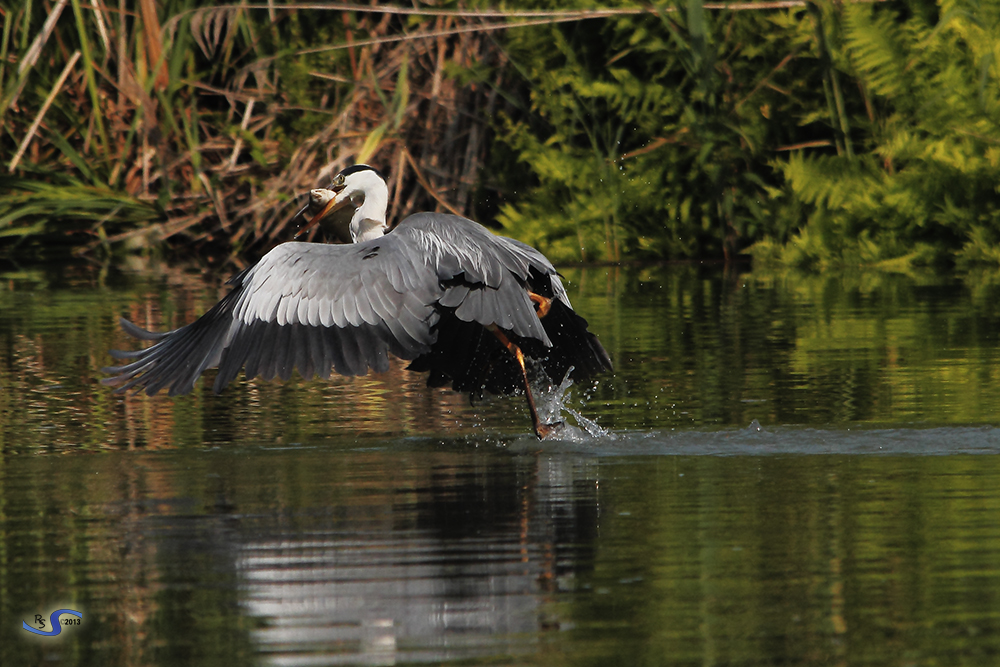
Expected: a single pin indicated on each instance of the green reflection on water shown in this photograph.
(810, 560)
(798, 560)
(701, 347)
(583, 556)
(693, 347)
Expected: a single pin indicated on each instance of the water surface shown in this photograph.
(796, 470)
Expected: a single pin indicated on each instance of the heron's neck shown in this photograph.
(369, 220)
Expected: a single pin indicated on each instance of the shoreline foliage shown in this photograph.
(833, 134)
(819, 135)
(213, 121)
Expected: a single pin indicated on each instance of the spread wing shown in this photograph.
(319, 307)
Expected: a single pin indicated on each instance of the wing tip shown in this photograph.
(136, 331)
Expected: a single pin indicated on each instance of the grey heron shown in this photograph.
(440, 291)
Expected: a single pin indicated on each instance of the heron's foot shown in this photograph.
(542, 304)
(545, 430)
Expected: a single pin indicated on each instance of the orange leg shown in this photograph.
(541, 430)
(542, 304)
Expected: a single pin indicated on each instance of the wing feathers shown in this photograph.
(266, 359)
(317, 308)
(350, 308)
(335, 349)
(139, 332)
(471, 309)
(312, 311)
(233, 358)
(454, 297)
(284, 355)
(351, 353)
(494, 310)
(364, 304)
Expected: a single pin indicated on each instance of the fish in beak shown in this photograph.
(327, 201)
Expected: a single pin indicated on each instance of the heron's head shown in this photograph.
(355, 188)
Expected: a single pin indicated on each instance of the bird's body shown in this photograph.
(440, 291)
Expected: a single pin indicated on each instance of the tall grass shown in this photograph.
(124, 124)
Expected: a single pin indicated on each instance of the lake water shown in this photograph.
(783, 470)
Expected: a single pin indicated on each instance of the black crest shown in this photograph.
(359, 167)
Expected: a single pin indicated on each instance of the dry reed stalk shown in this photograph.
(102, 29)
(31, 56)
(247, 113)
(41, 112)
(154, 44)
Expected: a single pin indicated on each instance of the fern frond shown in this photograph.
(828, 181)
(878, 49)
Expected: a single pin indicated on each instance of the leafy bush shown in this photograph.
(651, 135)
(833, 134)
(925, 183)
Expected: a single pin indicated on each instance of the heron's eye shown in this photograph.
(338, 183)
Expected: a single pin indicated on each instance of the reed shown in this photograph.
(131, 124)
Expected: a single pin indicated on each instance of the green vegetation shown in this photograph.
(656, 132)
(924, 184)
(826, 134)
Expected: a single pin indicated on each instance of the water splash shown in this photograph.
(552, 402)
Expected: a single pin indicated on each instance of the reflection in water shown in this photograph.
(458, 568)
(278, 523)
(326, 555)
(737, 547)
(692, 347)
